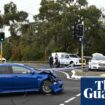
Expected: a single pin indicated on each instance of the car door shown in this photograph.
(23, 78)
(66, 60)
(6, 78)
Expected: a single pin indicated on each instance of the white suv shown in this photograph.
(97, 62)
(67, 58)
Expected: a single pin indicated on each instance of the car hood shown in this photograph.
(76, 59)
(47, 71)
(51, 73)
(98, 61)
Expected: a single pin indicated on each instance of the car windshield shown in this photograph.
(99, 58)
(74, 56)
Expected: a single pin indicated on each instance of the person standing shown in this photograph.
(51, 61)
(57, 64)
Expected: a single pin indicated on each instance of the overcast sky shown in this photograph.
(32, 6)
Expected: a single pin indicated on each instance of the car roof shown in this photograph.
(11, 64)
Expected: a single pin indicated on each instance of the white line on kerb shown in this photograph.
(69, 100)
(78, 95)
(67, 75)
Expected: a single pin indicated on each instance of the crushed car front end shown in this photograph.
(57, 86)
(56, 83)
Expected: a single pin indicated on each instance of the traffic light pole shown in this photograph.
(2, 37)
(82, 53)
(82, 49)
(1, 51)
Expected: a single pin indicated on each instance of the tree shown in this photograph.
(15, 19)
(56, 19)
(12, 17)
(52, 29)
(7, 50)
(10, 8)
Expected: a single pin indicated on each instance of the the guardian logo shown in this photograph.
(98, 93)
(92, 91)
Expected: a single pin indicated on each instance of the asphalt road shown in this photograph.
(71, 90)
(70, 96)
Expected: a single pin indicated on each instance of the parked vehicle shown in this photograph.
(22, 78)
(97, 62)
(68, 59)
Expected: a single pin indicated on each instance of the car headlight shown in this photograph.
(55, 83)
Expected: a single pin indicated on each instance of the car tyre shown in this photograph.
(71, 64)
(89, 69)
(45, 87)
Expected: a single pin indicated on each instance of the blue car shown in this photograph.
(22, 78)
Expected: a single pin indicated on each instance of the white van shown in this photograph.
(67, 58)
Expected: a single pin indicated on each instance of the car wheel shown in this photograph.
(89, 69)
(45, 88)
(71, 64)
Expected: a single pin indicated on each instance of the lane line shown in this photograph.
(69, 100)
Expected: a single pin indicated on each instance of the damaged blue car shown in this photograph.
(22, 78)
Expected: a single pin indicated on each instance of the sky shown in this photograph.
(32, 6)
(99, 3)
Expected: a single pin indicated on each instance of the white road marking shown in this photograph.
(73, 76)
(69, 100)
(78, 94)
(67, 75)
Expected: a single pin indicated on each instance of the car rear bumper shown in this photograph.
(97, 67)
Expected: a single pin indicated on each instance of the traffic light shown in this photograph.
(2, 36)
(78, 30)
